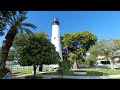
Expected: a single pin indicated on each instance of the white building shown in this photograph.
(102, 58)
(99, 59)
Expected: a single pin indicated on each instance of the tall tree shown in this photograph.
(36, 50)
(94, 51)
(72, 58)
(64, 50)
(15, 20)
(109, 47)
(0, 52)
(79, 43)
(4, 19)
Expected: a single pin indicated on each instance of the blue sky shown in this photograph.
(104, 24)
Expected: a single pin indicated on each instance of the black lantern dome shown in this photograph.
(56, 22)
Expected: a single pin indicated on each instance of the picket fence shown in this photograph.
(15, 68)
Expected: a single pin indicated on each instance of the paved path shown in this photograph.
(75, 77)
(72, 77)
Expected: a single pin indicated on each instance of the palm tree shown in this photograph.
(16, 26)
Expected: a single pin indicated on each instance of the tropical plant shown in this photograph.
(63, 67)
(15, 20)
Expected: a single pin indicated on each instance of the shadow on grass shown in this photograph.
(61, 78)
(16, 72)
(33, 77)
(95, 73)
(91, 73)
(49, 73)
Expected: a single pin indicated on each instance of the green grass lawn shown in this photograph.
(55, 73)
(90, 72)
(21, 72)
(99, 72)
(116, 78)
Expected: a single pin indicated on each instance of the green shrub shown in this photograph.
(89, 62)
(92, 63)
(66, 65)
(79, 62)
(33, 77)
(63, 67)
(3, 73)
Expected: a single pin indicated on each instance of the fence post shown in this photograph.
(28, 67)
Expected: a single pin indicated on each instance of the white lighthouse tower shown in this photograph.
(56, 37)
(56, 41)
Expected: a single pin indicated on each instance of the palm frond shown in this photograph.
(29, 25)
(23, 12)
(21, 19)
(14, 14)
(1, 33)
(22, 30)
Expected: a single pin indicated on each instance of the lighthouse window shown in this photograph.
(54, 37)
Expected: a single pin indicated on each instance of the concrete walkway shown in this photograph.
(80, 77)
(72, 77)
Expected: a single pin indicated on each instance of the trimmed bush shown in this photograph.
(64, 66)
(92, 63)
(89, 62)
(80, 62)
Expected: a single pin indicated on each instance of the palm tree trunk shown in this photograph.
(111, 63)
(6, 46)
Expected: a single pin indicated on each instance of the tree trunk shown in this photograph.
(75, 65)
(62, 76)
(71, 65)
(6, 46)
(34, 67)
(111, 63)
